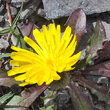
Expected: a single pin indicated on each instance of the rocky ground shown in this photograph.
(43, 12)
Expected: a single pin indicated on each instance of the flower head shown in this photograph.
(53, 55)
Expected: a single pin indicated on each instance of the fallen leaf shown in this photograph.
(105, 70)
(5, 80)
(27, 30)
(104, 53)
(77, 21)
(95, 69)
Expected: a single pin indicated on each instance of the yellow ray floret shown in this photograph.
(53, 54)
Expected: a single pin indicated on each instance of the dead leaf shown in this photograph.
(27, 30)
(5, 80)
(77, 21)
(104, 53)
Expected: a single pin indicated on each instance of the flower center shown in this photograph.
(50, 64)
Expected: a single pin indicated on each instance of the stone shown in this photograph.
(2, 20)
(103, 81)
(3, 44)
(17, 3)
(62, 100)
(1, 8)
(41, 12)
(61, 8)
(104, 18)
(13, 11)
(30, 8)
(25, 14)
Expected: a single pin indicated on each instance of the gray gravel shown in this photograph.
(3, 44)
(30, 8)
(1, 8)
(60, 8)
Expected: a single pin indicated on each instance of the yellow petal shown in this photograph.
(19, 49)
(33, 45)
(56, 76)
(20, 77)
(18, 63)
(11, 73)
(49, 81)
(37, 79)
(31, 72)
(74, 59)
(66, 34)
(68, 52)
(46, 76)
(25, 52)
(72, 43)
(23, 84)
(39, 37)
(69, 68)
(52, 28)
(21, 69)
(63, 49)
(58, 37)
(22, 56)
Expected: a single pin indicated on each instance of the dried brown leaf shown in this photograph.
(77, 21)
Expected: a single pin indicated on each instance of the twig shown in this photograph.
(9, 13)
(10, 18)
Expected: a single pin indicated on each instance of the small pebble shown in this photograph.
(1, 8)
(1, 19)
(3, 44)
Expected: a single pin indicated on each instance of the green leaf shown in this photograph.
(17, 40)
(5, 97)
(23, 44)
(50, 107)
(13, 26)
(82, 63)
(5, 55)
(95, 42)
(5, 31)
(43, 108)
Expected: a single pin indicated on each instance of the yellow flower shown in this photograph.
(53, 55)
